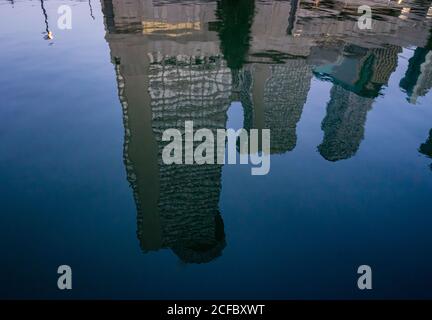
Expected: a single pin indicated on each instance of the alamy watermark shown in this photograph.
(64, 282)
(365, 280)
(64, 22)
(214, 149)
(364, 22)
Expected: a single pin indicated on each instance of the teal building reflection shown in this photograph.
(357, 75)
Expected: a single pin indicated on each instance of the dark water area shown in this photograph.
(82, 112)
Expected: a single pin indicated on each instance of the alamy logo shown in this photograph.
(211, 149)
(365, 20)
(365, 280)
(64, 282)
(64, 22)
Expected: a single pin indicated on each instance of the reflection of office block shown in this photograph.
(418, 78)
(186, 88)
(285, 94)
(426, 148)
(245, 81)
(273, 97)
(189, 88)
(273, 36)
(344, 124)
(153, 17)
(169, 71)
(188, 206)
(234, 28)
(385, 63)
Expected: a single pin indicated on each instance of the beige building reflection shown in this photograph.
(169, 70)
(188, 61)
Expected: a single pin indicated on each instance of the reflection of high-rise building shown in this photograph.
(426, 148)
(189, 88)
(274, 36)
(273, 96)
(234, 28)
(344, 124)
(358, 76)
(182, 213)
(163, 83)
(177, 204)
(285, 93)
(418, 77)
(384, 63)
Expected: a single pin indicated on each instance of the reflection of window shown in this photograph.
(404, 13)
(170, 29)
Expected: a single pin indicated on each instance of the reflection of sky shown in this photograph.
(299, 232)
(345, 70)
(235, 116)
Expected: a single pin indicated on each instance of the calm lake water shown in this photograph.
(82, 112)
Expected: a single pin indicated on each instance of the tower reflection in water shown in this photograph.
(426, 148)
(176, 62)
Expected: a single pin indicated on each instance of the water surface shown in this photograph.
(83, 110)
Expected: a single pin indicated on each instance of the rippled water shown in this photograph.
(82, 113)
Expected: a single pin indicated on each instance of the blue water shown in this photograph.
(299, 232)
